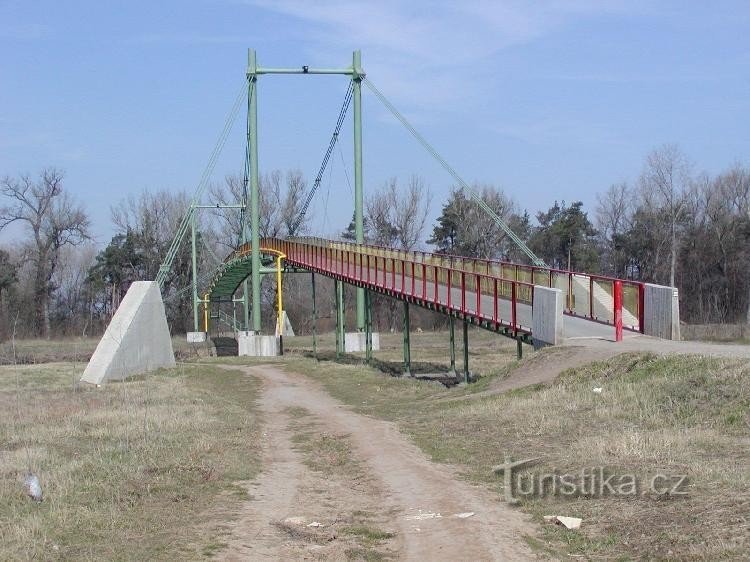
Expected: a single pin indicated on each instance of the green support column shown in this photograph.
(359, 230)
(368, 327)
(407, 341)
(246, 305)
(252, 140)
(452, 333)
(339, 289)
(314, 318)
(466, 351)
(194, 257)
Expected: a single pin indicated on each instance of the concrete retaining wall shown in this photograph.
(661, 312)
(254, 345)
(137, 339)
(547, 317)
(356, 341)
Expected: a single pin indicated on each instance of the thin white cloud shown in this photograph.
(432, 54)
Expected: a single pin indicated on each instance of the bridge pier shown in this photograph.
(466, 351)
(314, 318)
(407, 341)
(338, 288)
(368, 327)
(452, 335)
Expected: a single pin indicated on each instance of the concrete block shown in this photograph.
(547, 317)
(137, 339)
(196, 337)
(287, 329)
(250, 344)
(356, 341)
(661, 312)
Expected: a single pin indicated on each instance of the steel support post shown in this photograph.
(314, 318)
(407, 341)
(519, 347)
(466, 351)
(452, 335)
(359, 231)
(339, 288)
(246, 305)
(194, 258)
(252, 139)
(336, 304)
(368, 327)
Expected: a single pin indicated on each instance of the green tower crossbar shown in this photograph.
(357, 75)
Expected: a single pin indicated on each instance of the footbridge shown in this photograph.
(495, 295)
(531, 303)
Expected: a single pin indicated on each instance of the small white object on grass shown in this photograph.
(598, 390)
(32, 486)
(567, 522)
(421, 516)
(464, 515)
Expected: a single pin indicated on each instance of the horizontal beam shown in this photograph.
(218, 206)
(304, 70)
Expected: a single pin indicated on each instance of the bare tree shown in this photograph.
(665, 182)
(397, 217)
(54, 220)
(280, 204)
(614, 217)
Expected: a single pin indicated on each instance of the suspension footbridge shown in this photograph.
(531, 303)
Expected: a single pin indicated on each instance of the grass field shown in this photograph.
(671, 416)
(135, 471)
(153, 468)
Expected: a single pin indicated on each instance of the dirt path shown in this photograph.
(398, 487)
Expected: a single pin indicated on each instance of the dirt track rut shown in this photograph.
(417, 499)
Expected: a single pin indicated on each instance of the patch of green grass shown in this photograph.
(370, 534)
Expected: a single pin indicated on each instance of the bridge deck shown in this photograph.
(456, 286)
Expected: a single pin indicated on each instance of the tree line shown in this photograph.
(670, 226)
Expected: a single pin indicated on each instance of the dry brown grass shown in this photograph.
(76, 350)
(133, 471)
(674, 415)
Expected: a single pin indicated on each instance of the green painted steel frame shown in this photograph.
(251, 165)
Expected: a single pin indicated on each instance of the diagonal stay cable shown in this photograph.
(448, 168)
(166, 265)
(326, 158)
(204, 277)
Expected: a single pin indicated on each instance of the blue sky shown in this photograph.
(548, 100)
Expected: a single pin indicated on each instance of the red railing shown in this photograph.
(503, 303)
(587, 295)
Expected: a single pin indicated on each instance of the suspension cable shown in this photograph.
(472, 192)
(166, 265)
(326, 158)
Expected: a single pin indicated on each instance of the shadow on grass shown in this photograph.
(420, 370)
